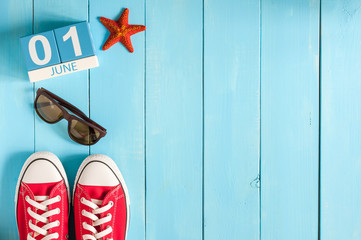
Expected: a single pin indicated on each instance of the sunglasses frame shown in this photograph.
(62, 104)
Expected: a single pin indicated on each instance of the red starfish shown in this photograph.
(120, 31)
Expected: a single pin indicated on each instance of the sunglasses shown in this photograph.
(52, 109)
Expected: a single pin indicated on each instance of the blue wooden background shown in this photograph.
(233, 119)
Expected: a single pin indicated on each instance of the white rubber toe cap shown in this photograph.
(98, 173)
(42, 168)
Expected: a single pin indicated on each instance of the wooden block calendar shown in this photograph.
(58, 52)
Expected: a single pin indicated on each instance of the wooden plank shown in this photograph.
(49, 15)
(174, 120)
(117, 102)
(73, 87)
(289, 119)
(16, 118)
(231, 119)
(340, 126)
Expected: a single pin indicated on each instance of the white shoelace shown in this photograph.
(94, 204)
(42, 203)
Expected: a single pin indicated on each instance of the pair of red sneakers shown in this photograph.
(100, 199)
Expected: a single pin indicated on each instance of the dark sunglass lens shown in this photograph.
(48, 110)
(82, 133)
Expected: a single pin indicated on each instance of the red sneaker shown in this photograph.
(101, 201)
(42, 199)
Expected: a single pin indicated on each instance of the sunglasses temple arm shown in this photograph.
(73, 109)
(66, 104)
(80, 113)
(46, 104)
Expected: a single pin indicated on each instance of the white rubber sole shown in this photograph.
(37, 156)
(111, 164)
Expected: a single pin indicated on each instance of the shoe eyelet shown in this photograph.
(82, 200)
(109, 215)
(27, 197)
(57, 236)
(58, 210)
(59, 198)
(83, 212)
(66, 236)
(57, 223)
(111, 203)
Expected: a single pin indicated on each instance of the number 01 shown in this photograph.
(72, 33)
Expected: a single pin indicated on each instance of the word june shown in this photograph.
(63, 68)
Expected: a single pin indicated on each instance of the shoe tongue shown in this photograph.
(42, 189)
(97, 192)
